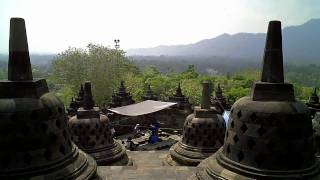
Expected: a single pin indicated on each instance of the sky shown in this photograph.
(54, 25)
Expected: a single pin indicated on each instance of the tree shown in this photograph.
(103, 66)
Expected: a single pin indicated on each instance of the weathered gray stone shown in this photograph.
(91, 132)
(203, 134)
(269, 134)
(34, 139)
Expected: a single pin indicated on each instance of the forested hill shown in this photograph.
(300, 43)
(36, 59)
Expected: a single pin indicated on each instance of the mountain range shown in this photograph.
(300, 43)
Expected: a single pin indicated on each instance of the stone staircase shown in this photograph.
(147, 165)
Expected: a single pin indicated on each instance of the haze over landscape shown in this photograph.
(53, 26)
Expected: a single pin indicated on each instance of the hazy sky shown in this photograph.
(54, 25)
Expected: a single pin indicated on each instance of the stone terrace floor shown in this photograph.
(147, 165)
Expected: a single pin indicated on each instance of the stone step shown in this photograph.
(147, 165)
(146, 173)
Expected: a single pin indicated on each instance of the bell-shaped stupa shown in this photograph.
(203, 134)
(269, 133)
(35, 142)
(91, 132)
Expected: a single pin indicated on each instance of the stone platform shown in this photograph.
(147, 165)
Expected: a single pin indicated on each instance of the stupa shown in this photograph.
(316, 132)
(269, 133)
(121, 98)
(203, 134)
(34, 138)
(219, 97)
(150, 95)
(313, 103)
(181, 100)
(91, 132)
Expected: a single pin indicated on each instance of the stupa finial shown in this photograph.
(273, 59)
(19, 67)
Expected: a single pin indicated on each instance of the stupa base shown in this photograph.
(78, 166)
(214, 170)
(184, 155)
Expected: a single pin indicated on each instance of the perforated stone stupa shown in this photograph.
(313, 103)
(203, 134)
(121, 98)
(91, 132)
(150, 95)
(34, 138)
(269, 133)
(181, 100)
(219, 97)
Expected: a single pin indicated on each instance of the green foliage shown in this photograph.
(103, 66)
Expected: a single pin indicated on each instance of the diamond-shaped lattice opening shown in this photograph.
(58, 123)
(213, 143)
(195, 143)
(64, 133)
(232, 124)
(253, 117)
(240, 156)
(62, 149)
(47, 154)
(92, 132)
(235, 138)
(27, 158)
(244, 128)
(261, 131)
(259, 159)
(270, 145)
(69, 143)
(44, 127)
(204, 143)
(220, 141)
(5, 161)
(25, 130)
(239, 114)
(33, 115)
(14, 117)
(92, 143)
(214, 131)
(197, 130)
(205, 132)
(251, 143)
(49, 112)
(60, 110)
(228, 149)
(272, 120)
